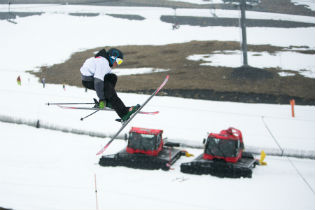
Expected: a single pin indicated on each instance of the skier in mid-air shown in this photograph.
(96, 73)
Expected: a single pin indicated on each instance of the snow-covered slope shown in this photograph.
(46, 169)
(43, 169)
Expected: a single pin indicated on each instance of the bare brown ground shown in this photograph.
(189, 78)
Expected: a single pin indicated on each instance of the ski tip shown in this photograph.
(149, 113)
(47, 103)
(101, 151)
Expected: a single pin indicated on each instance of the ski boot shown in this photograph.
(131, 111)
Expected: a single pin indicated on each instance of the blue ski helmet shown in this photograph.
(115, 55)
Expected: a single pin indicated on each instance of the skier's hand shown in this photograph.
(101, 105)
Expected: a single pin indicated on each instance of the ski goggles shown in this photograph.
(117, 60)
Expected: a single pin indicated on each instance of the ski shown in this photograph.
(105, 109)
(58, 104)
(124, 124)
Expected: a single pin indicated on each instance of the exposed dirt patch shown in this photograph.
(278, 6)
(231, 22)
(80, 14)
(190, 79)
(128, 17)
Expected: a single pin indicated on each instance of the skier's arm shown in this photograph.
(101, 69)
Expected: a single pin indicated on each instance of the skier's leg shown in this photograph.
(111, 96)
(112, 78)
(88, 84)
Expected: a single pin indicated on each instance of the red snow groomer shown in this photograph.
(145, 141)
(227, 145)
(146, 149)
(223, 156)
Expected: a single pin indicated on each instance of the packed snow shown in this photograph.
(298, 62)
(310, 4)
(124, 71)
(47, 169)
(152, 31)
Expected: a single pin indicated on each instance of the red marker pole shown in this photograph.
(96, 192)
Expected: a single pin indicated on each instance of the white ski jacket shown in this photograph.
(95, 69)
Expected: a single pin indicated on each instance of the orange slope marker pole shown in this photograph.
(292, 102)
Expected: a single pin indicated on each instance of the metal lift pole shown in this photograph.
(243, 26)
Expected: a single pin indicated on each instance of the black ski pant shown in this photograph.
(110, 94)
